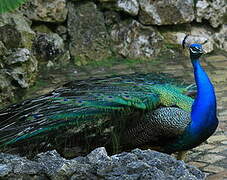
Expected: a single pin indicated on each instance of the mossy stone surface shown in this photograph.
(89, 39)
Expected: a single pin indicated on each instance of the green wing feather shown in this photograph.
(89, 101)
(9, 5)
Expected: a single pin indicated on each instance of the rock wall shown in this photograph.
(57, 32)
(138, 164)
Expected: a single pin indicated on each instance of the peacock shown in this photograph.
(119, 112)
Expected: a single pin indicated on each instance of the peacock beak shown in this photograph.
(202, 51)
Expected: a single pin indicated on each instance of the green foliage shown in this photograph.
(9, 5)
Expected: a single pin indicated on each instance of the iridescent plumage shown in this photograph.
(118, 112)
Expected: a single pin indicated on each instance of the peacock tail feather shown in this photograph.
(170, 95)
(93, 102)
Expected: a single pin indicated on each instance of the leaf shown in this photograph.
(9, 5)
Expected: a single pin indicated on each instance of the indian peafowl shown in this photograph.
(118, 112)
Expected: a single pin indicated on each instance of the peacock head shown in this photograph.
(194, 45)
(196, 50)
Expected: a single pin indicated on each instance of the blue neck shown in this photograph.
(203, 112)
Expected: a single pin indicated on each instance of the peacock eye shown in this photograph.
(194, 49)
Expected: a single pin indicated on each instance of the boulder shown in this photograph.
(50, 48)
(89, 39)
(213, 11)
(18, 71)
(134, 40)
(129, 6)
(137, 164)
(3, 49)
(166, 12)
(62, 31)
(220, 38)
(6, 88)
(45, 10)
(15, 31)
(18, 67)
(21, 67)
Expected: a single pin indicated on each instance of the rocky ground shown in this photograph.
(134, 165)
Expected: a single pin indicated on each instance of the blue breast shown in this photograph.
(203, 114)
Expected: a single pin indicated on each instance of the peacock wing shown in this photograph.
(171, 91)
(74, 107)
(94, 106)
(159, 128)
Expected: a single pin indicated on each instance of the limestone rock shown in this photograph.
(41, 29)
(18, 70)
(166, 12)
(24, 68)
(3, 49)
(133, 40)
(136, 164)
(89, 39)
(213, 11)
(6, 89)
(62, 31)
(48, 47)
(220, 38)
(129, 6)
(20, 56)
(51, 162)
(15, 31)
(45, 10)
(18, 67)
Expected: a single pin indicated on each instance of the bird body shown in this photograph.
(203, 113)
(119, 111)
